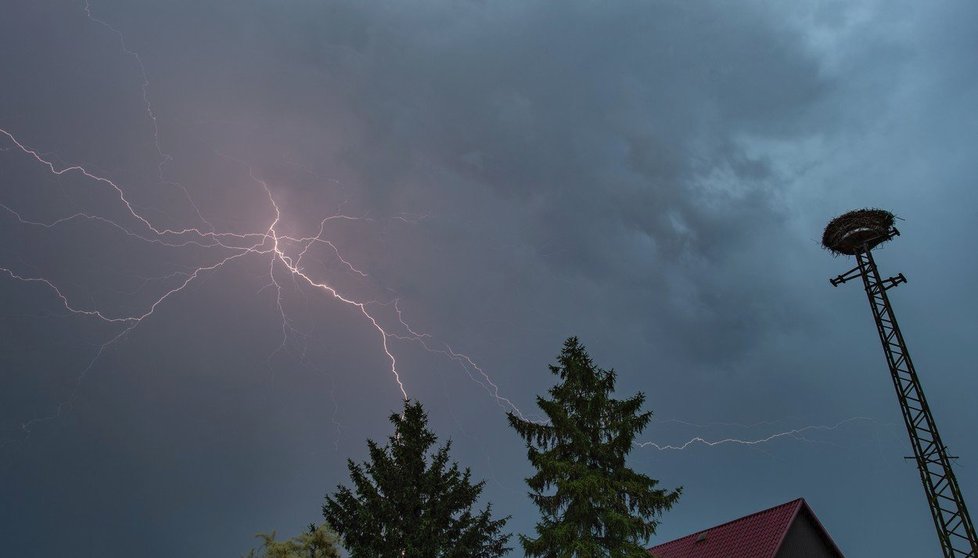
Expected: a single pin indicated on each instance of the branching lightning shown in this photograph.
(283, 254)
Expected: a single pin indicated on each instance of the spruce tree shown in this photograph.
(592, 505)
(408, 501)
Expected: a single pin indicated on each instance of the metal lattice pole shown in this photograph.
(954, 527)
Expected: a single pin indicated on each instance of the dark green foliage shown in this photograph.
(317, 542)
(592, 505)
(407, 503)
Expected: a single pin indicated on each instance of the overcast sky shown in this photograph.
(650, 176)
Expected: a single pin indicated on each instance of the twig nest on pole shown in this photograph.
(857, 230)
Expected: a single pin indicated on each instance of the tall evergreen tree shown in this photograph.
(407, 501)
(592, 504)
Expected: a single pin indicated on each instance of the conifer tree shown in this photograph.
(592, 504)
(408, 501)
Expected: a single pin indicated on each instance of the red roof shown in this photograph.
(758, 535)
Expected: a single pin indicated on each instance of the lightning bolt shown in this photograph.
(796, 433)
(283, 254)
(268, 242)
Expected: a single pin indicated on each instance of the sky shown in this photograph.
(432, 196)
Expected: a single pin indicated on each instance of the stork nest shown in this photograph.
(857, 230)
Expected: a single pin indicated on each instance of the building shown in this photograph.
(790, 530)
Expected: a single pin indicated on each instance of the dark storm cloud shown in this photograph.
(651, 176)
(615, 129)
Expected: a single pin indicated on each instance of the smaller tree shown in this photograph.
(317, 542)
(408, 501)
